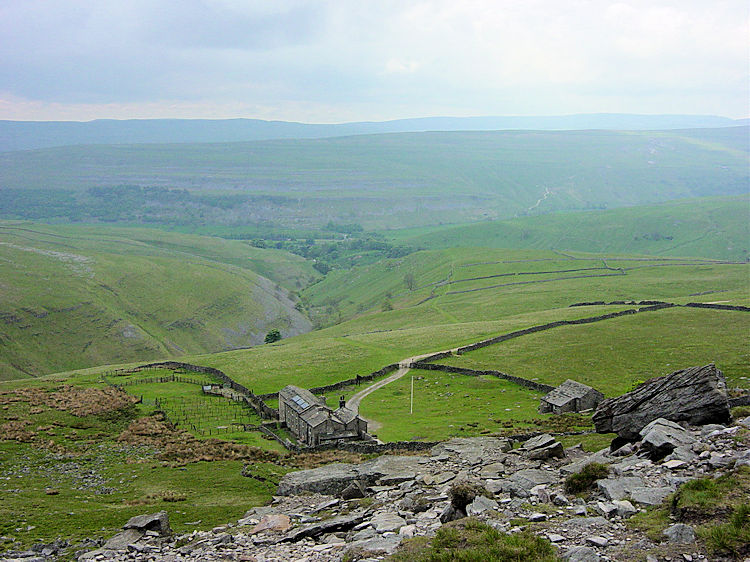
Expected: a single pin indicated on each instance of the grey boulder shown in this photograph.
(697, 395)
(661, 437)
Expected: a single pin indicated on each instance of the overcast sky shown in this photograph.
(330, 61)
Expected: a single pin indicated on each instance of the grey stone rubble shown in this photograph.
(406, 496)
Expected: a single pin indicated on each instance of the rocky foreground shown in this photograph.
(364, 512)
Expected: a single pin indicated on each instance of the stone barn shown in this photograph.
(570, 396)
(313, 423)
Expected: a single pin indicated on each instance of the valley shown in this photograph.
(118, 311)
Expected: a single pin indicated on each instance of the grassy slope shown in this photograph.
(75, 297)
(372, 340)
(420, 178)
(713, 227)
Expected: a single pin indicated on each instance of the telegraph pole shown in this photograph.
(411, 405)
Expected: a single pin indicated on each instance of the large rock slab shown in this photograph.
(618, 488)
(333, 479)
(158, 522)
(339, 523)
(697, 395)
(472, 450)
(530, 477)
(543, 447)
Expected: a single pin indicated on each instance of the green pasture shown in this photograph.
(614, 354)
(448, 405)
(29, 513)
(341, 352)
(518, 281)
(75, 480)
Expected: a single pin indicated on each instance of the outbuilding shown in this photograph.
(570, 396)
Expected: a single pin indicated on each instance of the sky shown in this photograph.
(330, 61)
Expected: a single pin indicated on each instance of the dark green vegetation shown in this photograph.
(470, 540)
(718, 507)
(712, 227)
(584, 480)
(75, 297)
(378, 181)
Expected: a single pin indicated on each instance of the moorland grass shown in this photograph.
(470, 540)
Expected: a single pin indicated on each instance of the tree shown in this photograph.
(272, 336)
(409, 281)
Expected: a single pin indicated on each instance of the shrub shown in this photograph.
(463, 493)
(584, 480)
(272, 336)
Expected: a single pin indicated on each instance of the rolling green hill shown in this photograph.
(74, 297)
(388, 180)
(712, 227)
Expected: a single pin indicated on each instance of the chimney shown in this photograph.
(342, 402)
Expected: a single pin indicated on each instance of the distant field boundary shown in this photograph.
(533, 385)
(737, 308)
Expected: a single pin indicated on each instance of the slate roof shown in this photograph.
(345, 415)
(316, 416)
(567, 391)
(298, 399)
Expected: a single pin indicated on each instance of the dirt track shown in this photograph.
(403, 368)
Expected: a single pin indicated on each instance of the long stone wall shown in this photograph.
(473, 373)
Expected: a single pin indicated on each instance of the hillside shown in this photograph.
(378, 181)
(712, 227)
(75, 297)
(25, 135)
(465, 294)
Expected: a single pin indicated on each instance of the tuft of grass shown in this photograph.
(470, 540)
(732, 537)
(583, 481)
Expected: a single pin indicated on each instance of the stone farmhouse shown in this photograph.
(313, 423)
(570, 396)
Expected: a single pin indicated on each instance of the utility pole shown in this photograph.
(411, 405)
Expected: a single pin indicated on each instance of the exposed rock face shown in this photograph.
(696, 395)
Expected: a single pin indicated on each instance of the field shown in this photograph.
(524, 296)
(104, 467)
(74, 297)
